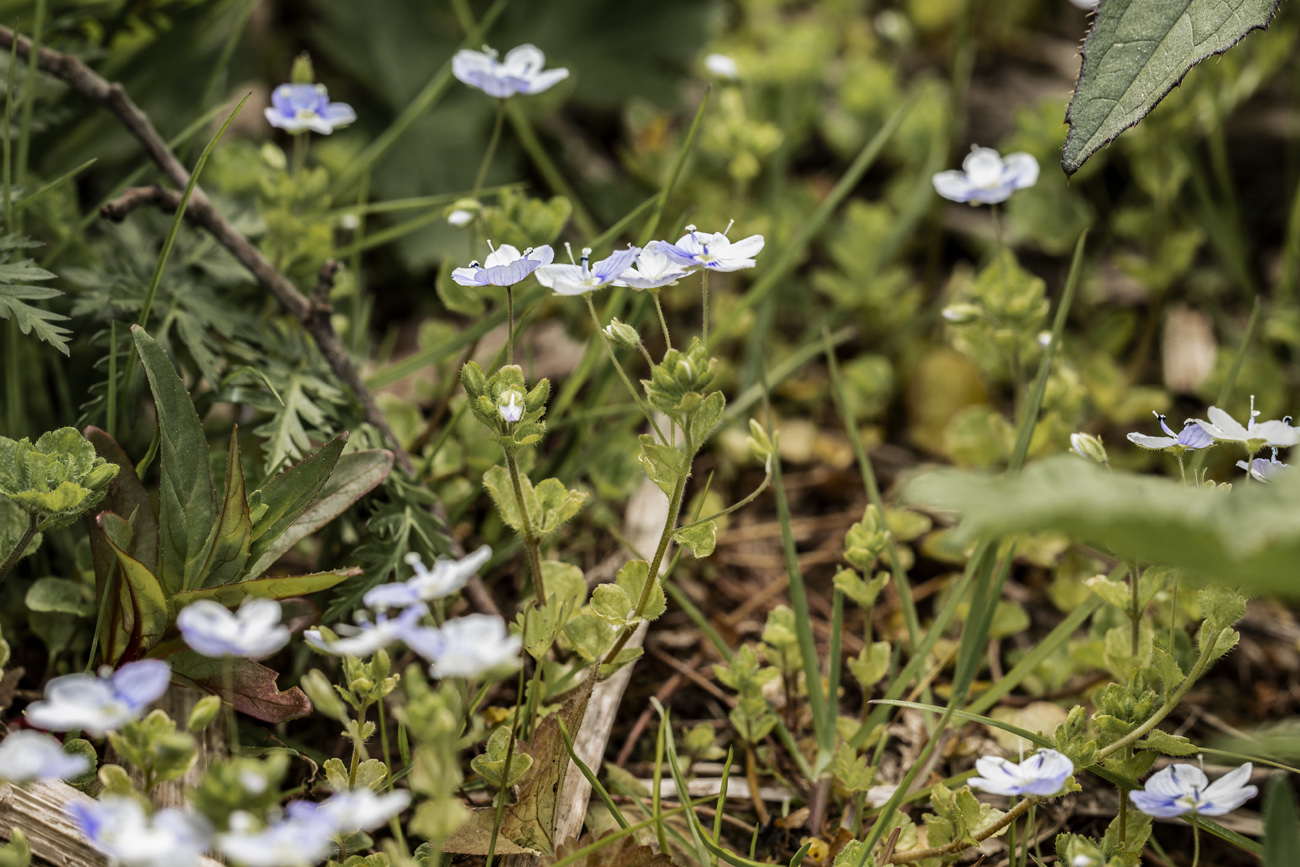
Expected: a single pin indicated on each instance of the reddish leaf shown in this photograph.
(249, 686)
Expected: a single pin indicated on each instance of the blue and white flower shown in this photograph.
(362, 810)
(987, 178)
(585, 277)
(99, 705)
(1192, 436)
(214, 630)
(370, 636)
(711, 250)
(1253, 436)
(303, 836)
(301, 107)
(653, 271)
(520, 72)
(1264, 470)
(119, 827)
(467, 646)
(27, 756)
(504, 266)
(445, 578)
(1184, 788)
(1042, 774)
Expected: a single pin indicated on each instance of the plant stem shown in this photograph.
(1196, 843)
(232, 721)
(1135, 614)
(505, 776)
(510, 325)
(531, 543)
(17, 553)
(957, 845)
(491, 149)
(636, 395)
(704, 292)
(663, 322)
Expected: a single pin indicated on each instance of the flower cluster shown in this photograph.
(464, 647)
(1253, 436)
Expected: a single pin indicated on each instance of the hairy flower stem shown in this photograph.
(481, 175)
(704, 292)
(663, 322)
(1135, 614)
(299, 155)
(510, 325)
(531, 543)
(636, 395)
(674, 509)
(16, 554)
(957, 845)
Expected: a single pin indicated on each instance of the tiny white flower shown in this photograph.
(215, 631)
(363, 810)
(27, 756)
(520, 72)
(445, 578)
(297, 108)
(722, 66)
(505, 266)
(652, 271)
(1184, 788)
(711, 250)
(371, 636)
(118, 827)
(511, 411)
(1042, 774)
(586, 277)
(1083, 861)
(467, 646)
(987, 178)
(460, 217)
(303, 836)
(99, 705)
(1253, 437)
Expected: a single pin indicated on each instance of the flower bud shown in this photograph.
(302, 73)
(472, 377)
(510, 406)
(204, 712)
(460, 217)
(322, 694)
(1089, 446)
(962, 314)
(622, 333)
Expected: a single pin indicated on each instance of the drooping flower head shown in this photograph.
(99, 705)
(504, 266)
(297, 108)
(118, 827)
(1042, 774)
(987, 178)
(214, 630)
(652, 270)
(1184, 788)
(711, 250)
(1254, 436)
(520, 72)
(466, 647)
(579, 279)
(1192, 436)
(445, 578)
(27, 756)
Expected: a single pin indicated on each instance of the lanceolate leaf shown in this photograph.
(148, 600)
(354, 476)
(248, 686)
(127, 496)
(1137, 52)
(287, 496)
(233, 532)
(188, 496)
(279, 587)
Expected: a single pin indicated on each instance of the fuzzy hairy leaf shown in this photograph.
(1140, 50)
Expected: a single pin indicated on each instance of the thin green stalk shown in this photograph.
(29, 98)
(232, 721)
(720, 809)
(510, 757)
(1196, 843)
(656, 793)
(591, 778)
(663, 322)
(17, 553)
(547, 168)
(110, 587)
(510, 325)
(531, 543)
(495, 139)
(704, 293)
(636, 395)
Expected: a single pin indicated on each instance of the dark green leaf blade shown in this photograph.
(233, 533)
(187, 495)
(148, 599)
(278, 587)
(289, 494)
(1137, 52)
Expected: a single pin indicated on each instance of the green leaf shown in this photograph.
(498, 484)
(1167, 744)
(148, 598)
(288, 495)
(701, 539)
(664, 464)
(871, 664)
(127, 496)
(611, 603)
(704, 419)
(278, 587)
(632, 579)
(556, 504)
(1137, 52)
(248, 686)
(355, 475)
(59, 595)
(187, 495)
(1281, 823)
(233, 532)
(16, 289)
(491, 766)
(58, 478)
(13, 526)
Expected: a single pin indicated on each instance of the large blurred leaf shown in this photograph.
(1248, 537)
(278, 587)
(248, 686)
(1137, 52)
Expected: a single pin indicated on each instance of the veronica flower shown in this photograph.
(1183, 788)
(445, 578)
(586, 277)
(722, 66)
(362, 810)
(652, 271)
(1043, 773)
(1253, 437)
(213, 630)
(27, 756)
(1086, 4)
(460, 217)
(303, 836)
(986, 177)
(301, 107)
(520, 72)
(1264, 470)
(504, 266)
(466, 647)
(711, 250)
(371, 636)
(118, 827)
(1192, 436)
(99, 705)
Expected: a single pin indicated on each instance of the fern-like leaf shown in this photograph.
(19, 284)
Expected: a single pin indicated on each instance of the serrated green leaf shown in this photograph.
(1137, 52)
(664, 464)
(556, 504)
(611, 603)
(491, 766)
(1167, 744)
(632, 578)
(187, 494)
(704, 419)
(58, 478)
(591, 635)
(701, 539)
(498, 484)
(871, 664)
(16, 289)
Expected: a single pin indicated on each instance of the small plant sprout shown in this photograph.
(1184, 788)
(445, 578)
(986, 177)
(1043, 774)
(1192, 436)
(713, 251)
(520, 72)
(27, 756)
(119, 827)
(370, 637)
(99, 705)
(467, 646)
(254, 632)
(583, 277)
(298, 108)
